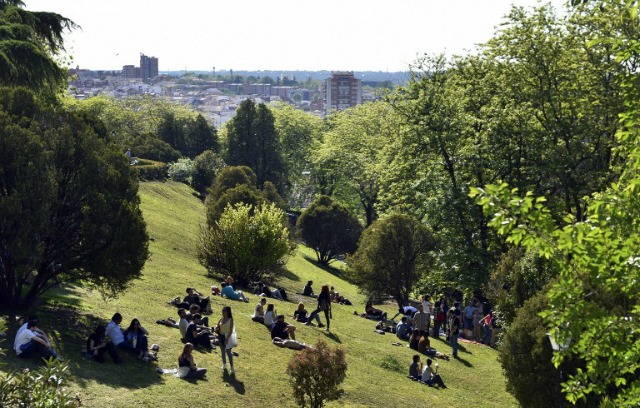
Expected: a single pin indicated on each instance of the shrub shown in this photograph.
(181, 170)
(150, 170)
(329, 228)
(206, 167)
(316, 373)
(392, 256)
(245, 242)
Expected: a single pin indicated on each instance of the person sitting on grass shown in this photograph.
(308, 290)
(38, 332)
(183, 323)
(372, 313)
(196, 335)
(424, 343)
(290, 344)
(193, 297)
(414, 340)
(301, 314)
(415, 368)
(97, 346)
(283, 330)
(258, 312)
(403, 329)
(194, 310)
(136, 339)
(187, 367)
(28, 343)
(270, 316)
(228, 292)
(430, 376)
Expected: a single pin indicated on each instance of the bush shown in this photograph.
(150, 170)
(329, 228)
(392, 256)
(316, 373)
(525, 356)
(153, 148)
(206, 167)
(181, 171)
(245, 242)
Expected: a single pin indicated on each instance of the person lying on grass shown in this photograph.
(228, 292)
(290, 344)
(97, 346)
(187, 367)
(372, 313)
(193, 297)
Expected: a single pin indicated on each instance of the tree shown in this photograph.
(27, 42)
(230, 177)
(315, 374)
(206, 167)
(393, 254)
(201, 136)
(245, 242)
(593, 306)
(252, 141)
(69, 203)
(357, 148)
(329, 228)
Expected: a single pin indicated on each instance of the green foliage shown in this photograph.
(28, 42)
(230, 177)
(206, 167)
(41, 388)
(252, 141)
(316, 373)
(517, 277)
(393, 254)
(242, 194)
(181, 171)
(271, 195)
(526, 355)
(150, 170)
(329, 228)
(246, 242)
(190, 136)
(69, 203)
(152, 148)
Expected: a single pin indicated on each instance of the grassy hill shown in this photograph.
(376, 373)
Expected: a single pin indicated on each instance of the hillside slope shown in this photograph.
(376, 370)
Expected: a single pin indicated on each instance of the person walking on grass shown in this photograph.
(226, 332)
(454, 332)
(324, 304)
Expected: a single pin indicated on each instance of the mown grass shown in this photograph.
(376, 369)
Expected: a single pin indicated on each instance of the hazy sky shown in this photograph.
(275, 35)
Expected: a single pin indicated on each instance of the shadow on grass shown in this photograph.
(332, 336)
(327, 268)
(286, 273)
(238, 386)
(463, 361)
(70, 341)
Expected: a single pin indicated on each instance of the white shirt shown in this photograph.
(114, 332)
(182, 325)
(15, 343)
(426, 306)
(23, 337)
(269, 318)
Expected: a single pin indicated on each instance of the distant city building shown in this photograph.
(129, 71)
(343, 90)
(148, 67)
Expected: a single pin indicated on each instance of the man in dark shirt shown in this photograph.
(283, 330)
(195, 335)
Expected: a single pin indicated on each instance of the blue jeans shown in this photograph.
(454, 344)
(33, 347)
(487, 334)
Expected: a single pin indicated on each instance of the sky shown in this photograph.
(354, 35)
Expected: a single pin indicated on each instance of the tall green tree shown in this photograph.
(393, 254)
(69, 203)
(28, 39)
(329, 228)
(252, 141)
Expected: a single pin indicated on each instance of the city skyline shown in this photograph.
(360, 35)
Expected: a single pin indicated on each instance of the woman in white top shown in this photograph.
(270, 316)
(225, 330)
(258, 313)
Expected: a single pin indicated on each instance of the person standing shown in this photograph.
(438, 319)
(421, 321)
(454, 331)
(226, 330)
(324, 304)
(187, 367)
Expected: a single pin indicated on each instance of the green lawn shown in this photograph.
(376, 370)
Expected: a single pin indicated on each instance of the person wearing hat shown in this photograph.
(28, 343)
(283, 330)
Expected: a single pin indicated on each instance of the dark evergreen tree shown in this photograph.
(200, 136)
(252, 141)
